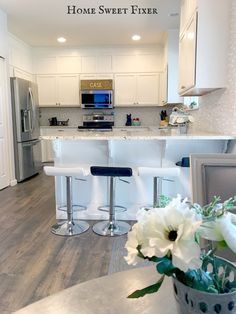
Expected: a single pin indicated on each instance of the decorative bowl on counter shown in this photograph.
(55, 122)
(63, 123)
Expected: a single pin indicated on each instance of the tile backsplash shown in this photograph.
(149, 116)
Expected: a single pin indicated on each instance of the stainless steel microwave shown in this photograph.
(97, 99)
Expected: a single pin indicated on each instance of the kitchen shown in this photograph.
(139, 74)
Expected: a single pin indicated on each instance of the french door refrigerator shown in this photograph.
(25, 115)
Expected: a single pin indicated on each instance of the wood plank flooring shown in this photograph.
(35, 263)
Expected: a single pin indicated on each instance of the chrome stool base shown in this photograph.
(70, 229)
(76, 208)
(118, 208)
(106, 228)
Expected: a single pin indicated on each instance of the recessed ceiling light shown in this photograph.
(61, 40)
(136, 37)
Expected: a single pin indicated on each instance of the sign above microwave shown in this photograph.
(96, 84)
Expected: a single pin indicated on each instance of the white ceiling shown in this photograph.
(40, 22)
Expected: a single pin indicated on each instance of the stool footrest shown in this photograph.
(111, 229)
(76, 208)
(118, 208)
(70, 229)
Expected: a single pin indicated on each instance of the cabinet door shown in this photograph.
(147, 89)
(125, 90)
(104, 64)
(69, 64)
(188, 8)
(47, 90)
(187, 56)
(89, 64)
(163, 96)
(68, 90)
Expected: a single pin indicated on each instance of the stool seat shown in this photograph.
(159, 172)
(111, 171)
(64, 171)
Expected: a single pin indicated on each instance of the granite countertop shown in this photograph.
(143, 133)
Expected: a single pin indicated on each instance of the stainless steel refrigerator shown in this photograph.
(25, 115)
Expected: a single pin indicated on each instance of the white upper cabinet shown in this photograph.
(71, 64)
(187, 57)
(136, 63)
(61, 90)
(147, 89)
(47, 90)
(203, 48)
(169, 79)
(58, 64)
(125, 90)
(136, 90)
(188, 8)
(45, 65)
(96, 64)
(68, 90)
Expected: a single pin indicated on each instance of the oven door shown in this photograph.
(97, 99)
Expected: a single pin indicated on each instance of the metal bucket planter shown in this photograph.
(191, 301)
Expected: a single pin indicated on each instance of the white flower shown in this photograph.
(169, 230)
(223, 228)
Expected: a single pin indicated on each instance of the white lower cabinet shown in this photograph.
(47, 150)
(136, 90)
(58, 90)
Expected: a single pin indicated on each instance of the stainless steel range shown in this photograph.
(98, 122)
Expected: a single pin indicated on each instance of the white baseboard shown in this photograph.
(13, 182)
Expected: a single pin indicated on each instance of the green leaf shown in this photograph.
(221, 244)
(148, 290)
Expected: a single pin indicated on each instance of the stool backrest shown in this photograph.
(137, 153)
(85, 152)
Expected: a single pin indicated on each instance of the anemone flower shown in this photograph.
(167, 231)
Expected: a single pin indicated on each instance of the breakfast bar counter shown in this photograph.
(137, 147)
(141, 133)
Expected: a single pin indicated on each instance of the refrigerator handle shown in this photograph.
(32, 107)
(25, 114)
(30, 120)
(30, 144)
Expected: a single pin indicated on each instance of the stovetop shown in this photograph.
(97, 129)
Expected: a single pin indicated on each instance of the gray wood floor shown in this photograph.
(35, 263)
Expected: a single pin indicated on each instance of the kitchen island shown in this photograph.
(127, 147)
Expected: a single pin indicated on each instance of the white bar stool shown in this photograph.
(146, 159)
(69, 227)
(159, 175)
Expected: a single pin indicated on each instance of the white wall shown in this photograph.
(20, 58)
(4, 52)
(217, 110)
(3, 35)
